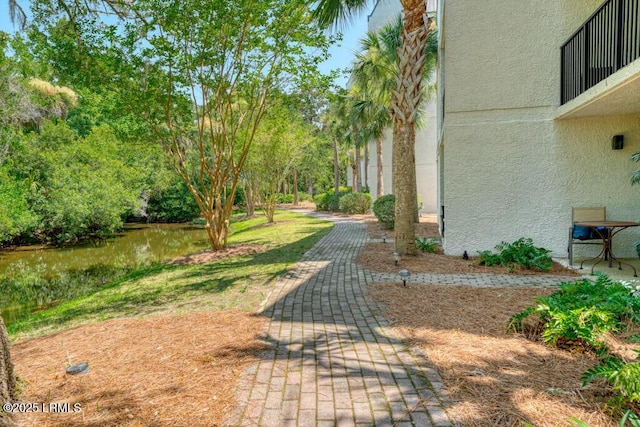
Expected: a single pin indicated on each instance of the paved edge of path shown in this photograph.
(334, 360)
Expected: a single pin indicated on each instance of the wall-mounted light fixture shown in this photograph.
(617, 142)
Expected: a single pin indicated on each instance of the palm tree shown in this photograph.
(336, 125)
(374, 71)
(416, 26)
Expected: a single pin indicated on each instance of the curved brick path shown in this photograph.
(334, 360)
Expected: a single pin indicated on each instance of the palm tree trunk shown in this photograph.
(336, 167)
(357, 179)
(380, 184)
(406, 99)
(366, 166)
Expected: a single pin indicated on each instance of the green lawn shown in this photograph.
(239, 282)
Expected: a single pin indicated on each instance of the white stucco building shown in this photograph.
(426, 137)
(525, 131)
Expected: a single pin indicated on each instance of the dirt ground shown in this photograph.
(180, 370)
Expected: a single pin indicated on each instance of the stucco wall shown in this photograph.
(510, 169)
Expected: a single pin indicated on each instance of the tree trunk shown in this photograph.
(7, 378)
(310, 187)
(357, 177)
(251, 203)
(366, 166)
(405, 104)
(380, 183)
(336, 167)
(295, 187)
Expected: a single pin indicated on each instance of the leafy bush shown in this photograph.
(583, 310)
(284, 198)
(329, 201)
(521, 252)
(355, 203)
(384, 209)
(173, 204)
(427, 245)
(304, 197)
(623, 377)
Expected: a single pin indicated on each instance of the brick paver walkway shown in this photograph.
(334, 361)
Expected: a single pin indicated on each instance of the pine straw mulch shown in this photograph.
(209, 255)
(378, 256)
(492, 377)
(161, 371)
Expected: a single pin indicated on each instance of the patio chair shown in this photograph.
(584, 235)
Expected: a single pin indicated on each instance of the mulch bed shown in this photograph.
(493, 377)
(209, 255)
(160, 371)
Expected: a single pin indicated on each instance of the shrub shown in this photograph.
(521, 252)
(384, 209)
(622, 376)
(173, 204)
(329, 201)
(304, 197)
(284, 198)
(355, 203)
(427, 245)
(583, 310)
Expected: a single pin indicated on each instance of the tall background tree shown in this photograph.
(221, 61)
(407, 95)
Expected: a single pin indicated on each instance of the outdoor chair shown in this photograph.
(585, 235)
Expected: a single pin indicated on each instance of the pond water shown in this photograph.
(138, 244)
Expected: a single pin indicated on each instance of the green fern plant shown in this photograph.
(622, 376)
(521, 252)
(427, 245)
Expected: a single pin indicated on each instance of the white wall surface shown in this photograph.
(510, 169)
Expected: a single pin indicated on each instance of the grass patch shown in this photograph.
(240, 282)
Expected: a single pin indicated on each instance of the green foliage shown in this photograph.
(330, 201)
(79, 187)
(521, 252)
(427, 245)
(173, 204)
(15, 216)
(622, 376)
(384, 209)
(288, 198)
(355, 203)
(629, 416)
(583, 310)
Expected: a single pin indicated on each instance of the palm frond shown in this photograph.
(337, 14)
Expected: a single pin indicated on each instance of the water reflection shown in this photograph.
(139, 244)
(33, 277)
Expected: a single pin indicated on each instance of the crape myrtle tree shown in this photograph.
(282, 138)
(416, 26)
(205, 71)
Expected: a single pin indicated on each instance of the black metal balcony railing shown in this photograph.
(606, 42)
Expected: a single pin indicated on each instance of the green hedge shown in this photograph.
(355, 203)
(329, 201)
(384, 209)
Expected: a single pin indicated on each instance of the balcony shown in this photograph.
(608, 42)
